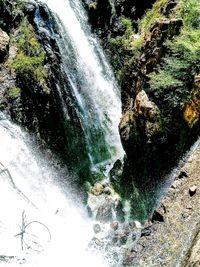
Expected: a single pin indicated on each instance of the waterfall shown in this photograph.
(91, 81)
(30, 191)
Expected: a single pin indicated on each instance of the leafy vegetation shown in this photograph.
(175, 76)
(126, 50)
(128, 41)
(151, 16)
(189, 11)
(13, 92)
(30, 59)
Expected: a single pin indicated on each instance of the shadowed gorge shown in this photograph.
(99, 130)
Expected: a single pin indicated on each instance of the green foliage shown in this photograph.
(181, 64)
(189, 11)
(29, 62)
(20, 4)
(13, 92)
(163, 80)
(126, 39)
(173, 81)
(152, 15)
(126, 50)
(128, 42)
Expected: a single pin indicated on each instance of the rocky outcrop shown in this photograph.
(153, 49)
(160, 120)
(4, 45)
(103, 203)
(145, 115)
(141, 117)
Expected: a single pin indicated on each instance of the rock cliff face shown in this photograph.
(160, 118)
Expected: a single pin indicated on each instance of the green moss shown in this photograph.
(126, 50)
(30, 59)
(13, 92)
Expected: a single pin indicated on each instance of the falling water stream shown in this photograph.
(91, 81)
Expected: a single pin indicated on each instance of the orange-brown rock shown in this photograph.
(192, 109)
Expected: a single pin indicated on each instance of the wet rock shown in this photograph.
(116, 171)
(114, 225)
(107, 190)
(134, 236)
(103, 202)
(97, 189)
(123, 239)
(96, 242)
(192, 190)
(4, 45)
(104, 213)
(97, 228)
(146, 231)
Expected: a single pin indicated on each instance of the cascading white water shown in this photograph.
(61, 233)
(92, 82)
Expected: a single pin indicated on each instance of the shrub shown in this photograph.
(182, 61)
(189, 11)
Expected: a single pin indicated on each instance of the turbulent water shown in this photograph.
(39, 225)
(91, 81)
